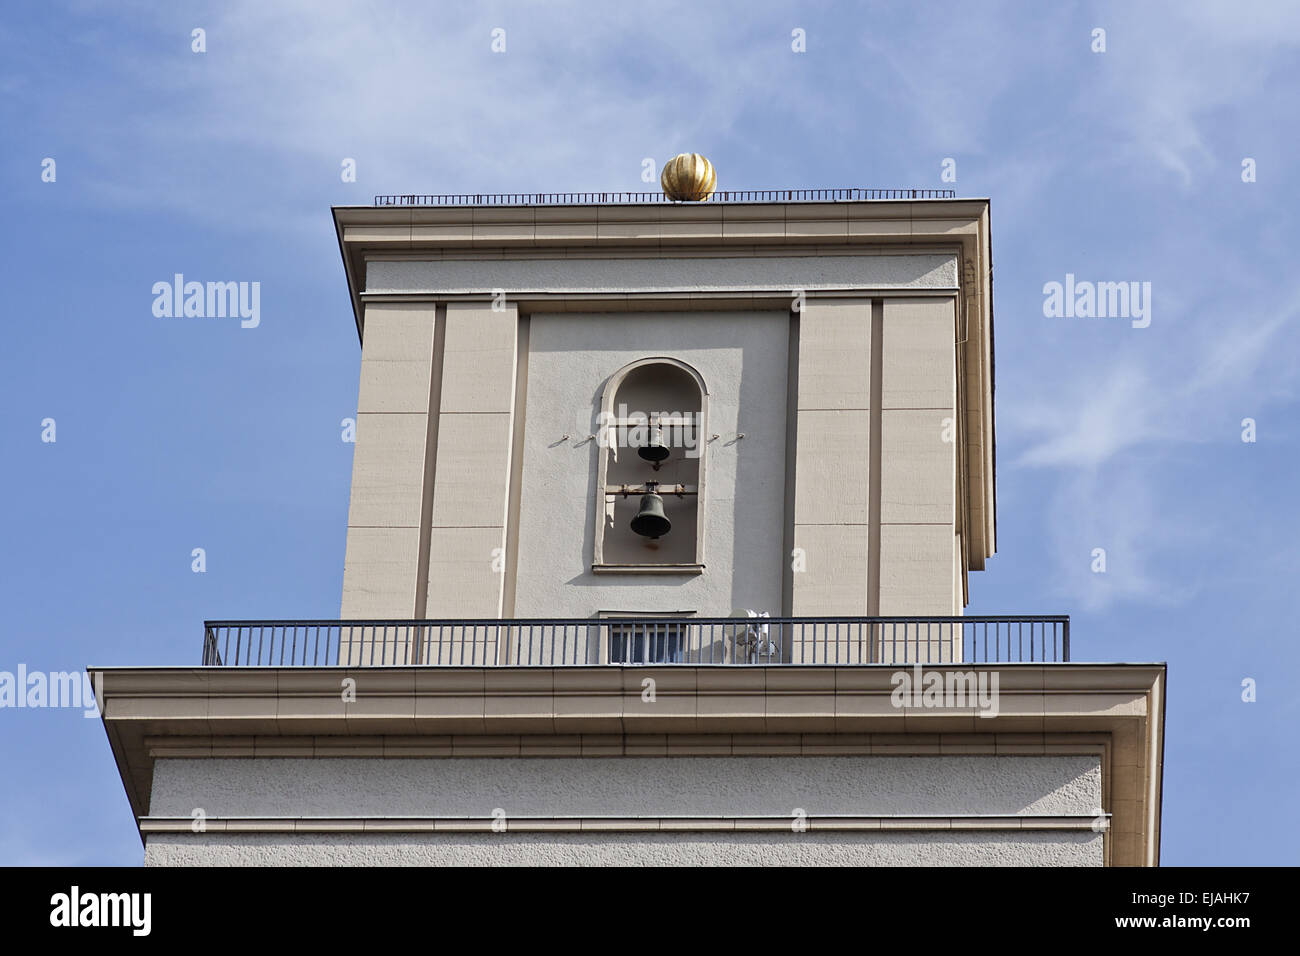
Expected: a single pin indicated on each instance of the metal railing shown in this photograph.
(849, 194)
(553, 642)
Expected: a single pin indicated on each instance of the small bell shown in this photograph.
(650, 521)
(654, 450)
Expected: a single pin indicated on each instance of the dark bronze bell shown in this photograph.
(650, 521)
(654, 450)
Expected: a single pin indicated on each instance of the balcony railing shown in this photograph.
(842, 194)
(585, 642)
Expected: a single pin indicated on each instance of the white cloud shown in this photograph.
(417, 97)
(1172, 72)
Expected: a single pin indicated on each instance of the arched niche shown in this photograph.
(667, 394)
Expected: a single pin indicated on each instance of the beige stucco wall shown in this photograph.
(876, 468)
(833, 485)
(435, 427)
(628, 785)
(966, 788)
(970, 848)
(472, 477)
(380, 576)
(871, 504)
(918, 474)
(667, 273)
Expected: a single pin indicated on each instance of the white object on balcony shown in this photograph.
(753, 637)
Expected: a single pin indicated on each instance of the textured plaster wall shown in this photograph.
(742, 357)
(698, 274)
(471, 786)
(1026, 848)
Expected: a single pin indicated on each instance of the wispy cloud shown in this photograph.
(418, 98)
(1111, 417)
(1172, 72)
(1110, 429)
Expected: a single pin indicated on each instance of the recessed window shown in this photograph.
(650, 500)
(646, 643)
(647, 638)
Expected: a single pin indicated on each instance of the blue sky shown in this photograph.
(1117, 166)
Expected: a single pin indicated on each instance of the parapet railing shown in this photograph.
(847, 194)
(586, 642)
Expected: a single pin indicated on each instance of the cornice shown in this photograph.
(414, 712)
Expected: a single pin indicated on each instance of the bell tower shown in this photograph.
(664, 508)
(779, 402)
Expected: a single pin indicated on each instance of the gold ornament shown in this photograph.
(688, 177)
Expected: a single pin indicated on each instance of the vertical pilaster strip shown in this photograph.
(381, 570)
(873, 519)
(832, 483)
(467, 535)
(791, 466)
(430, 462)
(918, 470)
(516, 469)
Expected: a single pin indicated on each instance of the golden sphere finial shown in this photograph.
(688, 177)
